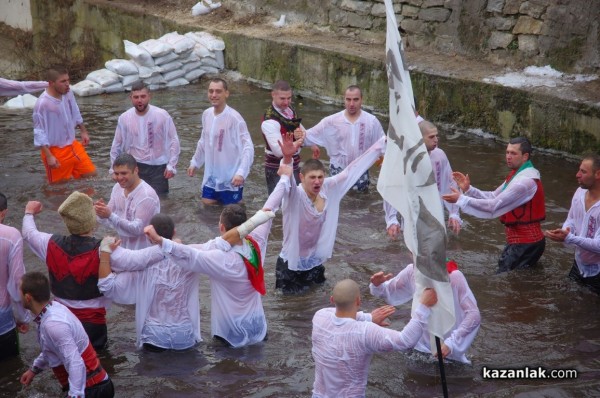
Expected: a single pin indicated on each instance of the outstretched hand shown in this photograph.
(289, 147)
(452, 197)
(378, 278)
(380, 315)
(463, 181)
(557, 235)
(152, 235)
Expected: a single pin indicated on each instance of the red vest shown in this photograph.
(530, 212)
(285, 126)
(93, 370)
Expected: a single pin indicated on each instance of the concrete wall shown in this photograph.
(16, 13)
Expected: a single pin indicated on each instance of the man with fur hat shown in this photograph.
(72, 262)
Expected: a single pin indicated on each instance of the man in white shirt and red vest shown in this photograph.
(518, 201)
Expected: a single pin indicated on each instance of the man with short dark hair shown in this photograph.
(148, 134)
(225, 149)
(64, 345)
(72, 262)
(55, 117)
(13, 317)
(519, 202)
(346, 135)
(279, 119)
(344, 339)
(582, 227)
(132, 204)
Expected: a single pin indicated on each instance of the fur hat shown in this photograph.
(78, 213)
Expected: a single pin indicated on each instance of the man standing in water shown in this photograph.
(346, 135)
(582, 227)
(278, 120)
(55, 117)
(518, 201)
(148, 134)
(225, 149)
(344, 340)
(132, 204)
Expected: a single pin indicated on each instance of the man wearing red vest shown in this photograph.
(518, 201)
(278, 120)
(72, 262)
(64, 344)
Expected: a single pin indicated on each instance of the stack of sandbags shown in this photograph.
(21, 102)
(169, 61)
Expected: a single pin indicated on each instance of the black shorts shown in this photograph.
(592, 282)
(154, 176)
(97, 334)
(273, 178)
(294, 282)
(9, 344)
(520, 255)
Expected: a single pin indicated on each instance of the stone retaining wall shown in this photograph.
(561, 33)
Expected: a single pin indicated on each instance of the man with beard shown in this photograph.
(133, 203)
(582, 227)
(346, 135)
(148, 134)
(55, 117)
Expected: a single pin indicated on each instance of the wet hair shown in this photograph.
(524, 143)
(233, 216)
(54, 73)
(281, 85)
(139, 86)
(312, 165)
(220, 80)
(125, 159)
(3, 202)
(164, 225)
(353, 87)
(426, 126)
(594, 157)
(37, 285)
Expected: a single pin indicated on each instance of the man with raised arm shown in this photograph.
(518, 201)
(132, 204)
(344, 339)
(582, 227)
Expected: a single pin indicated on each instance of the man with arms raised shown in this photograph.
(518, 201)
(344, 340)
(132, 204)
(55, 117)
(225, 149)
(346, 135)
(148, 134)
(582, 227)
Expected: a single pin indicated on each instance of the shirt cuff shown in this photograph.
(167, 246)
(422, 312)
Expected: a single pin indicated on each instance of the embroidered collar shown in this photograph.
(510, 177)
(38, 318)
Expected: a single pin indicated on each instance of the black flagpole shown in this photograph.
(441, 364)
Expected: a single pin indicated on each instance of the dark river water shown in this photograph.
(532, 318)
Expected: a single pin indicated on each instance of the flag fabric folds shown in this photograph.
(407, 182)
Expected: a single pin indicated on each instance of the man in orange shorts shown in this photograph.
(55, 117)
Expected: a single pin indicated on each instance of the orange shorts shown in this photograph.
(74, 162)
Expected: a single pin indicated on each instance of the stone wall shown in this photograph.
(562, 33)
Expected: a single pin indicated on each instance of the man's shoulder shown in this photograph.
(8, 232)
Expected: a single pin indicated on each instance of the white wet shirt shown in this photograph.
(54, 120)
(13, 87)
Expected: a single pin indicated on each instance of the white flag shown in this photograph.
(407, 182)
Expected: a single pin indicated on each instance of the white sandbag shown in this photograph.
(174, 74)
(139, 54)
(122, 67)
(21, 102)
(154, 87)
(194, 74)
(158, 79)
(86, 88)
(170, 66)
(165, 59)
(146, 72)
(208, 61)
(201, 51)
(114, 88)
(213, 43)
(211, 70)
(220, 57)
(103, 77)
(180, 81)
(180, 43)
(191, 57)
(200, 9)
(130, 80)
(191, 66)
(156, 48)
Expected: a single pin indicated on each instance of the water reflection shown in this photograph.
(529, 318)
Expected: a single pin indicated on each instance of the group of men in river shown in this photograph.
(147, 266)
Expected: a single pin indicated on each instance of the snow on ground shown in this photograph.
(537, 76)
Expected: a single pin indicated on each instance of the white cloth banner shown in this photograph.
(407, 182)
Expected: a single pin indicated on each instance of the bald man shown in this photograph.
(359, 335)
